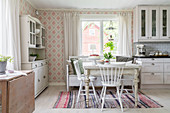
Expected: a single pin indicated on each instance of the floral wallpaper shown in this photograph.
(26, 8)
(53, 22)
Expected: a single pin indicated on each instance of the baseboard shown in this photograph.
(57, 83)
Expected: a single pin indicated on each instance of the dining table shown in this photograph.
(129, 69)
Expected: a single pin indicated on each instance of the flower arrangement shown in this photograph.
(5, 58)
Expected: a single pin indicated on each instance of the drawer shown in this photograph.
(167, 60)
(167, 67)
(152, 67)
(152, 78)
(34, 65)
(151, 60)
(166, 78)
(45, 63)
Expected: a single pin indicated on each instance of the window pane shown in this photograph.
(110, 33)
(90, 37)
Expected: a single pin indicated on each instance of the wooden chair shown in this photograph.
(81, 78)
(111, 77)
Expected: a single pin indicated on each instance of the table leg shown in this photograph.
(87, 81)
(3, 89)
(136, 80)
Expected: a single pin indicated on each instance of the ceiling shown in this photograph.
(99, 4)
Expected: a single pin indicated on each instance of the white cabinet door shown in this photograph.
(164, 22)
(36, 81)
(143, 22)
(167, 67)
(153, 22)
(152, 67)
(166, 78)
(152, 78)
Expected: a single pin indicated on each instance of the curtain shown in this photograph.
(71, 34)
(9, 32)
(124, 45)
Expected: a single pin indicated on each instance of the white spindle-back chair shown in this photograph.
(111, 77)
(82, 79)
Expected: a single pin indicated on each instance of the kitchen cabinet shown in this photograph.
(151, 23)
(164, 22)
(148, 22)
(155, 71)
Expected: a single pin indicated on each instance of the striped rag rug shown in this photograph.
(68, 100)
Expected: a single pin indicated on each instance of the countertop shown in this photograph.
(151, 56)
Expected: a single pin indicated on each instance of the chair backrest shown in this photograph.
(77, 68)
(111, 74)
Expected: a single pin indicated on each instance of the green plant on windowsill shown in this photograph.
(111, 46)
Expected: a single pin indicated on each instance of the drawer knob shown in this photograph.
(38, 80)
(153, 64)
(41, 64)
(152, 73)
(35, 65)
(153, 59)
(44, 76)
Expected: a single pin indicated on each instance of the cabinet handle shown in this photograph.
(44, 76)
(152, 73)
(153, 59)
(148, 37)
(38, 80)
(41, 64)
(153, 64)
(35, 65)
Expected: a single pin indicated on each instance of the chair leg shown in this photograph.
(103, 98)
(120, 100)
(101, 95)
(94, 92)
(80, 88)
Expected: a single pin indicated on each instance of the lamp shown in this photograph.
(92, 47)
(110, 28)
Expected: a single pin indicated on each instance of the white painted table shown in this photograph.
(130, 69)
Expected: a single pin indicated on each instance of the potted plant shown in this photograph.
(3, 63)
(33, 57)
(108, 55)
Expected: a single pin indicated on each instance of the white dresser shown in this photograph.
(34, 43)
(155, 73)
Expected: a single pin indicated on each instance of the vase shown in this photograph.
(107, 61)
(3, 67)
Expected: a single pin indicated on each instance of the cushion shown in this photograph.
(80, 65)
(123, 59)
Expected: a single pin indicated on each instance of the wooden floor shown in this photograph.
(47, 99)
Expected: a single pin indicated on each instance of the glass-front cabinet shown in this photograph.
(148, 23)
(154, 22)
(164, 24)
(32, 35)
(143, 23)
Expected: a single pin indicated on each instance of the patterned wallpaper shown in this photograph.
(53, 22)
(26, 8)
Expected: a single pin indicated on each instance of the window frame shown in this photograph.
(101, 32)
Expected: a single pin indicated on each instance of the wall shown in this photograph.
(26, 8)
(154, 46)
(53, 21)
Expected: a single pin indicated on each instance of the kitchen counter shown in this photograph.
(151, 56)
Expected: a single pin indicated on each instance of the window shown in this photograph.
(94, 35)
